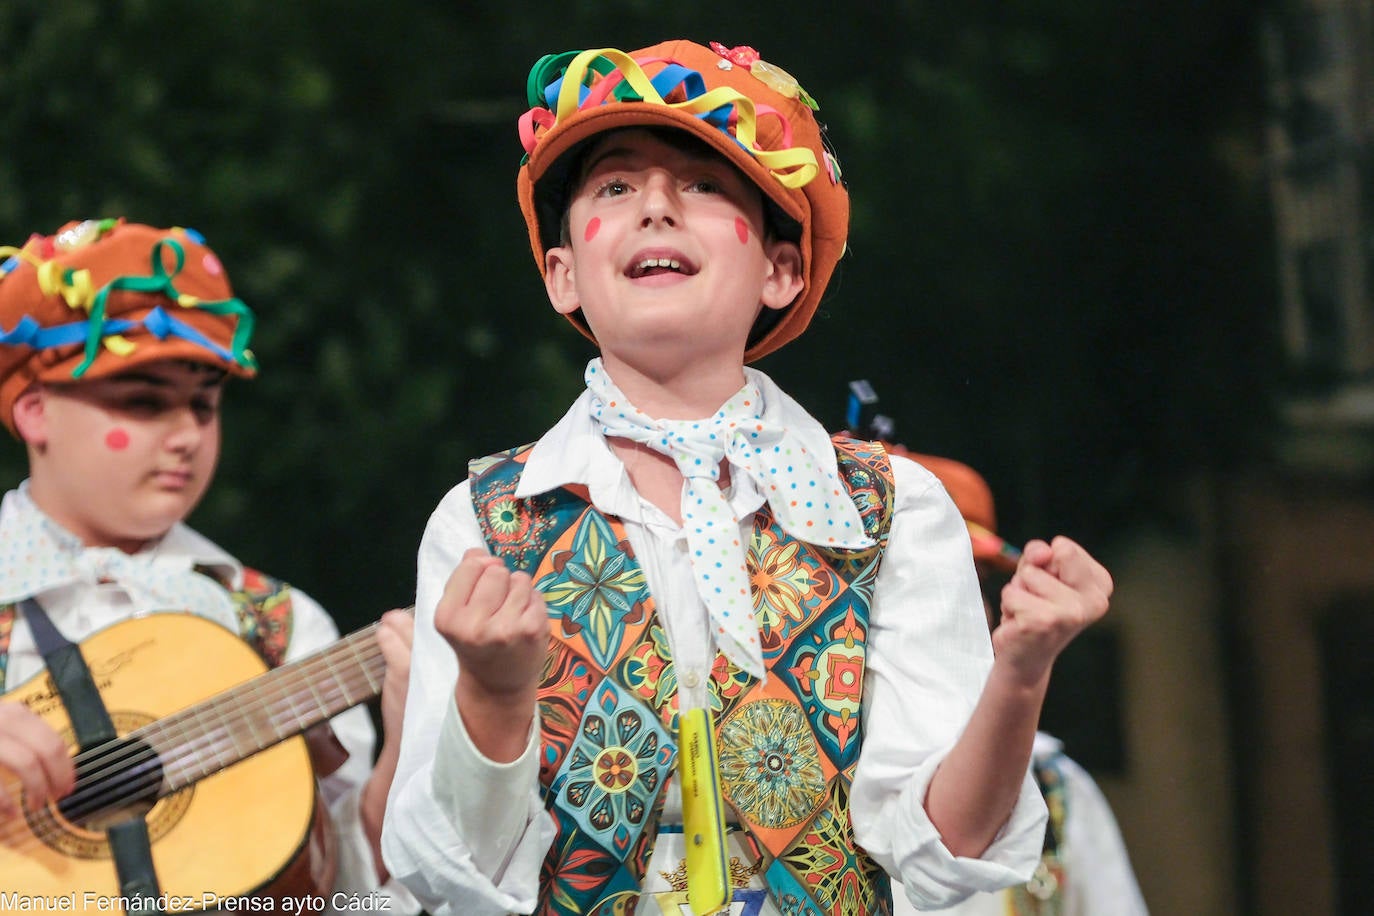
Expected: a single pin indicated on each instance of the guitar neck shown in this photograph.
(261, 712)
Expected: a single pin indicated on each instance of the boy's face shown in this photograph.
(119, 460)
(666, 248)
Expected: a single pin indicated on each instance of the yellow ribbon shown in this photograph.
(75, 287)
(792, 167)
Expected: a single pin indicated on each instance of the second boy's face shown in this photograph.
(121, 459)
(666, 249)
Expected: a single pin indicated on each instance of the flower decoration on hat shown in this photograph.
(771, 75)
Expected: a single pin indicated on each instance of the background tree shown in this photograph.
(1055, 270)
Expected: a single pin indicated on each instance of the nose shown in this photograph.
(658, 201)
(185, 430)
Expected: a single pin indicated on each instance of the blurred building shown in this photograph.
(1242, 651)
(1226, 706)
(1295, 538)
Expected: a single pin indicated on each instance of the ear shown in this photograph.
(30, 416)
(560, 280)
(784, 280)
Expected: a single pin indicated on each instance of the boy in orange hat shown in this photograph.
(687, 653)
(1084, 868)
(116, 340)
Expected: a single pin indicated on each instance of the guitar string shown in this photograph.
(277, 703)
(117, 793)
(291, 679)
(223, 729)
(119, 796)
(222, 732)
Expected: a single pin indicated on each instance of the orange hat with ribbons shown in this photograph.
(752, 112)
(99, 297)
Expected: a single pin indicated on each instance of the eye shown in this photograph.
(205, 408)
(614, 187)
(704, 186)
(145, 403)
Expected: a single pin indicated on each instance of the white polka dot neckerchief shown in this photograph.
(36, 555)
(806, 497)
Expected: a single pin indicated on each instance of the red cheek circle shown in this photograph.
(742, 230)
(117, 439)
(593, 227)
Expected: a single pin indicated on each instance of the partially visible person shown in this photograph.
(116, 343)
(1084, 869)
(688, 647)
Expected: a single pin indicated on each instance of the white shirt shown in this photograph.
(1097, 870)
(468, 835)
(80, 606)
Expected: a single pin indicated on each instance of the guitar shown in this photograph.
(209, 752)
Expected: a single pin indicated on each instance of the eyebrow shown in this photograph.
(602, 155)
(135, 377)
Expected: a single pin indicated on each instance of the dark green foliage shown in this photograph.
(1056, 273)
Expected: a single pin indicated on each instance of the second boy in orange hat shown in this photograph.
(1084, 869)
(687, 653)
(115, 343)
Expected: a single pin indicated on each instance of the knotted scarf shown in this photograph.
(804, 492)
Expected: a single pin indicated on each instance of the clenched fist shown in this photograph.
(1058, 591)
(497, 625)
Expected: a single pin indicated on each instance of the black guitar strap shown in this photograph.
(129, 842)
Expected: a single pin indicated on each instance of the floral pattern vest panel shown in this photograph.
(608, 698)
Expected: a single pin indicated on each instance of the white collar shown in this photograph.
(574, 451)
(32, 547)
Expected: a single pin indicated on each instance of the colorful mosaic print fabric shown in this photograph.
(1044, 893)
(263, 606)
(608, 701)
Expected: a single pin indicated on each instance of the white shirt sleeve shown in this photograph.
(312, 629)
(465, 834)
(1097, 867)
(929, 656)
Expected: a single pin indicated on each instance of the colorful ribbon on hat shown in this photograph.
(990, 546)
(74, 286)
(592, 78)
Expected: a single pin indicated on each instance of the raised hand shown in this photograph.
(394, 637)
(497, 624)
(32, 751)
(1058, 590)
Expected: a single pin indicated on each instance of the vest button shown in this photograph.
(690, 678)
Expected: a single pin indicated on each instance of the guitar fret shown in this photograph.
(343, 688)
(373, 681)
(303, 720)
(256, 720)
(225, 736)
(319, 701)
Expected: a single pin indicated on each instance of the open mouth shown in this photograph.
(660, 265)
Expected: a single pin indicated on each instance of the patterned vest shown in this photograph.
(264, 613)
(608, 698)
(1044, 893)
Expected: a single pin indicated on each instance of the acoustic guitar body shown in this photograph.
(251, 829)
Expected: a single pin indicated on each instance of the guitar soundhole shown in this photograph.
(112, 787)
